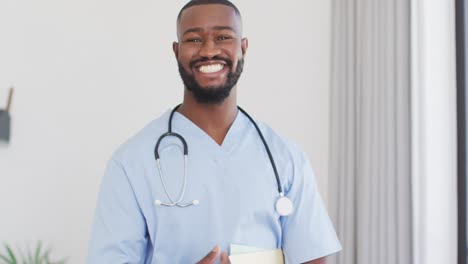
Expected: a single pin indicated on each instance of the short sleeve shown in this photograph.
(308, 232)
(119, 232)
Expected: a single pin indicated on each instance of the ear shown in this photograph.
(175, 48)
(244, 46)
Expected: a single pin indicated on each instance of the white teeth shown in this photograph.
(211, 68)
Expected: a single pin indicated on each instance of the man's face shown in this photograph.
(210, 51)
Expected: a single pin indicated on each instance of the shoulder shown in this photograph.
(278, 143)
(291, 161)
(142, 142)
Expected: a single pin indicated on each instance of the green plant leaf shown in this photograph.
(30, 256)
(11, 254)
(22, 256)
(7, 260)
(37, 256)
(45, 256)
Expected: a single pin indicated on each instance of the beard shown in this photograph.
(214, 94)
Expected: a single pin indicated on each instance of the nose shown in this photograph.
(209, 50)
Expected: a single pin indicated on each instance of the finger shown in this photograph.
(225, 258)
(211, 257)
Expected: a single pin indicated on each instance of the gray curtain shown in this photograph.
(370, 181)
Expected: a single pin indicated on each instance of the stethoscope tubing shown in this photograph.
(272, 161)
(169, 133)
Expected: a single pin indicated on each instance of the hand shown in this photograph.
(213, 256)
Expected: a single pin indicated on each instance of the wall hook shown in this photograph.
(5, 118)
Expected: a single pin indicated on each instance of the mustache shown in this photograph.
(203, 59)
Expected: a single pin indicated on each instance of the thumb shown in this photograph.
(210, 257)
(225, 258)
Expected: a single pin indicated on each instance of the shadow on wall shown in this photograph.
(5, 119)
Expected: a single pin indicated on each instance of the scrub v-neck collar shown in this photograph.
(187, 128)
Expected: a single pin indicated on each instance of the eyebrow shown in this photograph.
(199, 29)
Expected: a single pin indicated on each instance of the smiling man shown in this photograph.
(239, 182)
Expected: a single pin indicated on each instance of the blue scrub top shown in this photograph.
(235, 185)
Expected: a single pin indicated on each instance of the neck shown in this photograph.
(214, 119)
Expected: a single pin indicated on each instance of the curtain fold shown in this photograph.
(370, 178)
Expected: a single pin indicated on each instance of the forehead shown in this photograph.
(209, 16)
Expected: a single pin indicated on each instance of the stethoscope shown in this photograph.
(283, 204)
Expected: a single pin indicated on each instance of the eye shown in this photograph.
(193, 40)
(224, 37)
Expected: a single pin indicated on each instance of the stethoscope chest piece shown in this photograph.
(284, 206)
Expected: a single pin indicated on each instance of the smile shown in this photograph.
(211, 68)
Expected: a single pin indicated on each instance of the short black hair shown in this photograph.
(208, 2)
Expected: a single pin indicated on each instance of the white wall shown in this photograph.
(91, 73)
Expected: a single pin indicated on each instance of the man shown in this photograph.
(149, 212)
